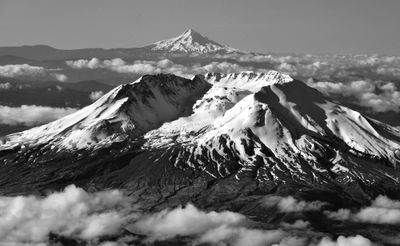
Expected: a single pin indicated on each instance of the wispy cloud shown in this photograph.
(290, 204)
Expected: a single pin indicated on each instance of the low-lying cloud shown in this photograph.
(215, 228)
(73, 213)
(184, 221)
(381, 211)
(346, 241)
(378, 96)
(290, 204)
(26, 70)
(31, 115)
(107, 217)
(22, 70)
(94, 95)
(368, 79)
(155, 67)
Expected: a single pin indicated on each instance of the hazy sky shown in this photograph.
(305, 26)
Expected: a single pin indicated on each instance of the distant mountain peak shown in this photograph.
(191, 41)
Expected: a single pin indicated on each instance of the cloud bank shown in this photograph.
(370, 79)
(72, 213)
(94, 217)
(31, 115)
(378, 96)
(26, 70)
(154, 67)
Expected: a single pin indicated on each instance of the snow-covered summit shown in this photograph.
(248, 80)
(129, 110)
(191, 42)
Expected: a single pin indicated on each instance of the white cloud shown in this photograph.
(77, 214)
(290, 204)
(378, 96)
(26, 70)
(364, 77)
(22, 70)
(184, 221)
(154, 67)
(60, 77)
(215, 228)
(72, 213)
(30, 115)
(240, 236)
(94, 95)
(382, 211)
(346, 241)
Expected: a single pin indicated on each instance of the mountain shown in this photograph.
(191, 42)
(169, 139)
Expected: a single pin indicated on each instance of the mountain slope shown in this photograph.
(162, 134)
(126, 111)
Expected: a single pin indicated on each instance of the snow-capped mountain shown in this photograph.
(266, 126)
(191, 42)
(129, 110)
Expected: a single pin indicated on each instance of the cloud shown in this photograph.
(60, 77)
(290, 204)
(381, 211)
(154, 67)
(346, 241)
(26, 70)
(30, 115)
(378, 96)
(185, 221)
(298, 224)
(239, 236)
(73, 213)
(22, 70)
(368, 78)
(93, 217)
(5, 86)
(214, 228)
(94, 95)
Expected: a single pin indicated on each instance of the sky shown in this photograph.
(301, 26)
